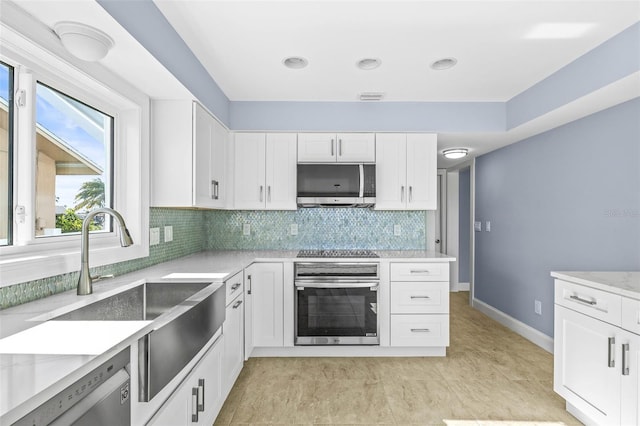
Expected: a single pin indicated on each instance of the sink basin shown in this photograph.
(144, 302)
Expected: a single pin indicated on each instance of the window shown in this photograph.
(6, 152)
(73, 163)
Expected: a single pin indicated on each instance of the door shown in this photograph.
(266, 284)
(316, 147)
(421, 171)
(280, 171)
(440, 231)
(587, 365)
(391, 171)
(356, 148)
(249, 171)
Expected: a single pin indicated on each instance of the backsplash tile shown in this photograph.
(322, 228)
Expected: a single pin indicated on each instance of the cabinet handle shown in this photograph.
(235, 286)
(237, 304)
(580, 299)
(200, 394)
(419, 271)
(332, 142)
(625, 359)
(420, 330)
(410, 193)
(269, 193)
(340, 147)
(249, 279)
(611, 352)
(420, 297)
(194, 405)
(261, 193)
(402, 194)
(214, 189)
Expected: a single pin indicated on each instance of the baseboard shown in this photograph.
(462, 287)
(526, 331)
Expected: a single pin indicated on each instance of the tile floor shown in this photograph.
(489, 374)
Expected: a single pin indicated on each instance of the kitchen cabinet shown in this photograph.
(406, 171)
(188, 156)
(264, 297)
(265, 171)
(199, 397)
(233, 331)
(419, 304)
(340, 147)
(595, 358)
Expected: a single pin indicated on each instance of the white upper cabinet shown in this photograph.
(265, 171)
(340, 147)
(188, 156)
(406, 171)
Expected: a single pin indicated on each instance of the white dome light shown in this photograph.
(368, 63)
(455, 153)
(295, 62)
(82, 41)
(444, 64)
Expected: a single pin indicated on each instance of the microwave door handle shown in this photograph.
(361, 169)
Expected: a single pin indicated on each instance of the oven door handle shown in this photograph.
(372, 286)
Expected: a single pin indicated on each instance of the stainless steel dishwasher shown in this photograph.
(100, 398)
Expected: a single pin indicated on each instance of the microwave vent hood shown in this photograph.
(336, 185)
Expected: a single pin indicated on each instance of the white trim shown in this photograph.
(472, 237)
(462, 287)
(453, 226)
(526, 331)
(347, 351)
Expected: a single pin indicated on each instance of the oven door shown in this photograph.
(336, 313)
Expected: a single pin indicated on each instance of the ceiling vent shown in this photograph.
(371, 96)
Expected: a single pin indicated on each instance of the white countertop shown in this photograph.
(622, 283)
(48, 368)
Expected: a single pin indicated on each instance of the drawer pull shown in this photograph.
(194, 405)
(200, 394)
(235, 286)
(611, 352)
(420, 297)
(238, 303)
(625, 359)
(580, 299)
(420, 330)
(419, 271)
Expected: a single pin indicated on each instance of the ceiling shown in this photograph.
(242, 45)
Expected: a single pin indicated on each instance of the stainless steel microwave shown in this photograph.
(336, 185)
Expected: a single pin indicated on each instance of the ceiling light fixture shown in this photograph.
(444, 64)
(559, 30)
(371, 96)
(368, 63)
(82, 41)
(455, 153)
(295, 62)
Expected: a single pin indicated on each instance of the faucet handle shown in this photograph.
(101, 277)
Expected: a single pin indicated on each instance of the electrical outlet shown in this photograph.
(154, 236)
(168, 233)
(397, 230)
(537, 307)
(487, 226)
(246, 229)
(293, 229)
(477, 226)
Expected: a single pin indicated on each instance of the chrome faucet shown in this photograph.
(85, 281)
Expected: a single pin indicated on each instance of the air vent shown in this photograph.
(371, 96)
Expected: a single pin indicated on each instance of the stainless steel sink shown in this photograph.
(144, 302)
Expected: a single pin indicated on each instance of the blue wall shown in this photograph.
(464, 218)
(568, 199)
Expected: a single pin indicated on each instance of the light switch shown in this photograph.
(487, 226)
(294, 229)
(168, 233)
(397, 230)
(154, 236)
(246, 229)
(477, 226)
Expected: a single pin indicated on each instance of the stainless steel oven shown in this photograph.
(336, 303)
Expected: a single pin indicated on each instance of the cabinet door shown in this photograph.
(248, 313)
(203, 153)
(587, 365)
(218, 165)
(233, 330)
(249, 171)
(629, 347)
(176, 410)
(422, 172)
(207, 378)
(356, 147)
(266, 285)
(280, 170)
(391, 171)
(316, 147)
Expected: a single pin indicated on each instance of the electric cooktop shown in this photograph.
(337, 253)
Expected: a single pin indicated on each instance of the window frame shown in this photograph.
(37, 55)
(10, 132)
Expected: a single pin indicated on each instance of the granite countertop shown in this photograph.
(622, 283)
(49, 373)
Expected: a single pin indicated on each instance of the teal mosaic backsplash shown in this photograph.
(188, 237)
(321, 228)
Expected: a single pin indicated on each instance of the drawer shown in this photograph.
(234, 286)
(631, 315)
(419, 297)
(420, 330)
(420, 271)
(589, 301)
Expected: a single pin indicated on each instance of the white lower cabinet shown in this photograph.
(199, 397)
(264, 310)
(233, 330)
(595, 362)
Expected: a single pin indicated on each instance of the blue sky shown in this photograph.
(65, 128)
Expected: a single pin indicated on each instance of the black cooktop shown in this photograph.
(337, 253)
